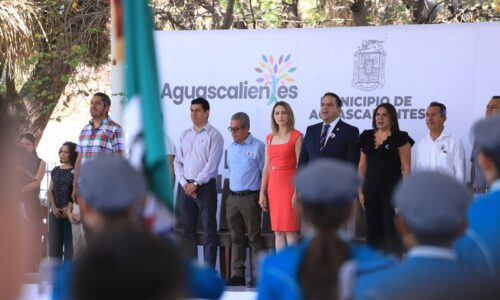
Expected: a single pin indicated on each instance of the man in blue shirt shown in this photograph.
(245, 160)
(478, 182)
(480, 247)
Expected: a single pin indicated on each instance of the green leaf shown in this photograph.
(65, 78)
(31, 61)
(74, 62)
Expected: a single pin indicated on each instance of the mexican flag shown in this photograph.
(144, 116)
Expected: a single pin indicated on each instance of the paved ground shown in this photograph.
(34, 292)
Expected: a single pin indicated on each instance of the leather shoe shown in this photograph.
(236, 281)
(251, 283)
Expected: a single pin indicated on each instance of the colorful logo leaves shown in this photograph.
(274, 73)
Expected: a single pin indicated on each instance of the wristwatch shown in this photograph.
(196, 184)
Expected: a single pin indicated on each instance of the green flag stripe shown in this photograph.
(142, 81)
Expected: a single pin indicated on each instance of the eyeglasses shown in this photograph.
(235, 129)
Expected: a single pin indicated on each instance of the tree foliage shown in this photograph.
(43, 42)
(259, 14)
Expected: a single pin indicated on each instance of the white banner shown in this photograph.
(408, 66)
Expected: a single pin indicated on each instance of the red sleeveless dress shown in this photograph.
(280, 187)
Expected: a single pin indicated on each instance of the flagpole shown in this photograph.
(117, 68)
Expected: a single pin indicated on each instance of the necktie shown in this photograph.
(322, 139)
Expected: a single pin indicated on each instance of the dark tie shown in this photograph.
(322, 139)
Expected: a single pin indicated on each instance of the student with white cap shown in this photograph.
(326, 265)
(480, 247)
(432, 213)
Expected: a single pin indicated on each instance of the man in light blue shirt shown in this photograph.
(478, 181)
(245, 160)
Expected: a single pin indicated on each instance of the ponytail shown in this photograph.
(326, 253)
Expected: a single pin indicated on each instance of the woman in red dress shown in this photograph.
(282, 154)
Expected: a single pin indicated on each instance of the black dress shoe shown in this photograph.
(251, 283)
(236, 281)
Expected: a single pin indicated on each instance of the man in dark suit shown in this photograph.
(332, 137)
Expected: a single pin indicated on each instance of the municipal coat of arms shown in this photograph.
(369, 66)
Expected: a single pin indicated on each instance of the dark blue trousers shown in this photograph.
(206, 206)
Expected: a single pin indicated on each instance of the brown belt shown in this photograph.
(244, 193)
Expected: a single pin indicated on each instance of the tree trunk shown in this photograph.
(73, 35)
(336, 13)
(421, 15)
(38, 97)
(290, 14)
(228, 17)
(359, 13)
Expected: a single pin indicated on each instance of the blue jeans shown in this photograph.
(60, 236)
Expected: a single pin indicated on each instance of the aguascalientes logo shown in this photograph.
(276, 73)
(369, 66)
(274, 84)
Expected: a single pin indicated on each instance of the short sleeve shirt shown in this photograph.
(105, 139)
(170, 146)
(383, 162)
(62, 180)
(445, 154)
(245, 162)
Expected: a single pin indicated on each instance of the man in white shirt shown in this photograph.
(170, 147)
(196, 165)
(439, 150)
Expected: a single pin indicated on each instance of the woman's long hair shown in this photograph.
(30, 137)
(289, 112)
(326, 253)
(393, 115)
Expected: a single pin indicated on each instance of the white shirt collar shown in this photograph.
(247, 141)
(333, 123)
(330, 133)
(205, 127)
(432, 252)
(443, 134)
